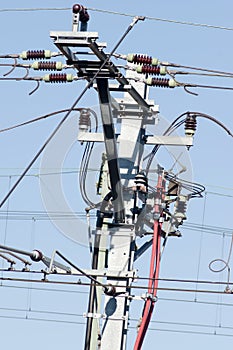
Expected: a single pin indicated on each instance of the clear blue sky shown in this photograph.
(178, 322)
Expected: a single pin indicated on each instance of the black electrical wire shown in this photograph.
(38, 119)
(56, 282)
(216, 121)
(84, 166)
(175, 124)
(195, 188)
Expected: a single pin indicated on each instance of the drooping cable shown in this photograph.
(38, 119)
(175, 124)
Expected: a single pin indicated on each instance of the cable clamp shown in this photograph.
(228, 290)
(92, 315)
(150, 296)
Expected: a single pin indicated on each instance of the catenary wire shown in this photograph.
(80, 283)
(172, 21)
(72, 291)
(38, 119)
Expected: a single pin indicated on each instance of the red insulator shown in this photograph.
(47, 66)
(160, 82)
(142, 59)
(57, 78)
(32, 54)
(151, 69)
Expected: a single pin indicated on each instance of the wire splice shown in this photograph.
(142, 59)
(149, 69)
(58, 78)
(161, 82)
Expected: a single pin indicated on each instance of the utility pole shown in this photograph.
(126, 200)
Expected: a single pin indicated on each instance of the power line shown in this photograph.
(38, 119)
(205, 25)
(35, 9)
(158, 19)
(80, 283)
(71, 291)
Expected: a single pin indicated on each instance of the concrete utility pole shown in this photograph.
(124, 185)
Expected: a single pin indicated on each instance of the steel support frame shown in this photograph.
(111, 150)
(114, 245)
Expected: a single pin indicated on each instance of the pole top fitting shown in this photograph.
(77, 8)
(82, 11)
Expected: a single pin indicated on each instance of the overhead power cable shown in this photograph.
(80, 283)
(35, 9)
(38, 119)
(158, 19)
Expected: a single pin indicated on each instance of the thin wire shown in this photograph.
(37, 119)
(78, 274)
(80, 283)
(201, 325)
(216, 87)
(172, 21)
(163, 19)
(204, 302)
(6, 221)
(189, 332)
(201, 242)
(35, 9)
(7, 214)
(130, 327)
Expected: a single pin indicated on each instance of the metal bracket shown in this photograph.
(103, 316)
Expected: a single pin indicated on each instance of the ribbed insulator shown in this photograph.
(161, 82)
(141, 182)
(142, 59)
(84, 120)
(148, 69)
(58, 78)
(32, 54)
(47, 66)
(190, 125)
(180, 208)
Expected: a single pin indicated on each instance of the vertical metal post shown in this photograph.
(111, 150)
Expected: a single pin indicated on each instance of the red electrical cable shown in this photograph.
(154, 267)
